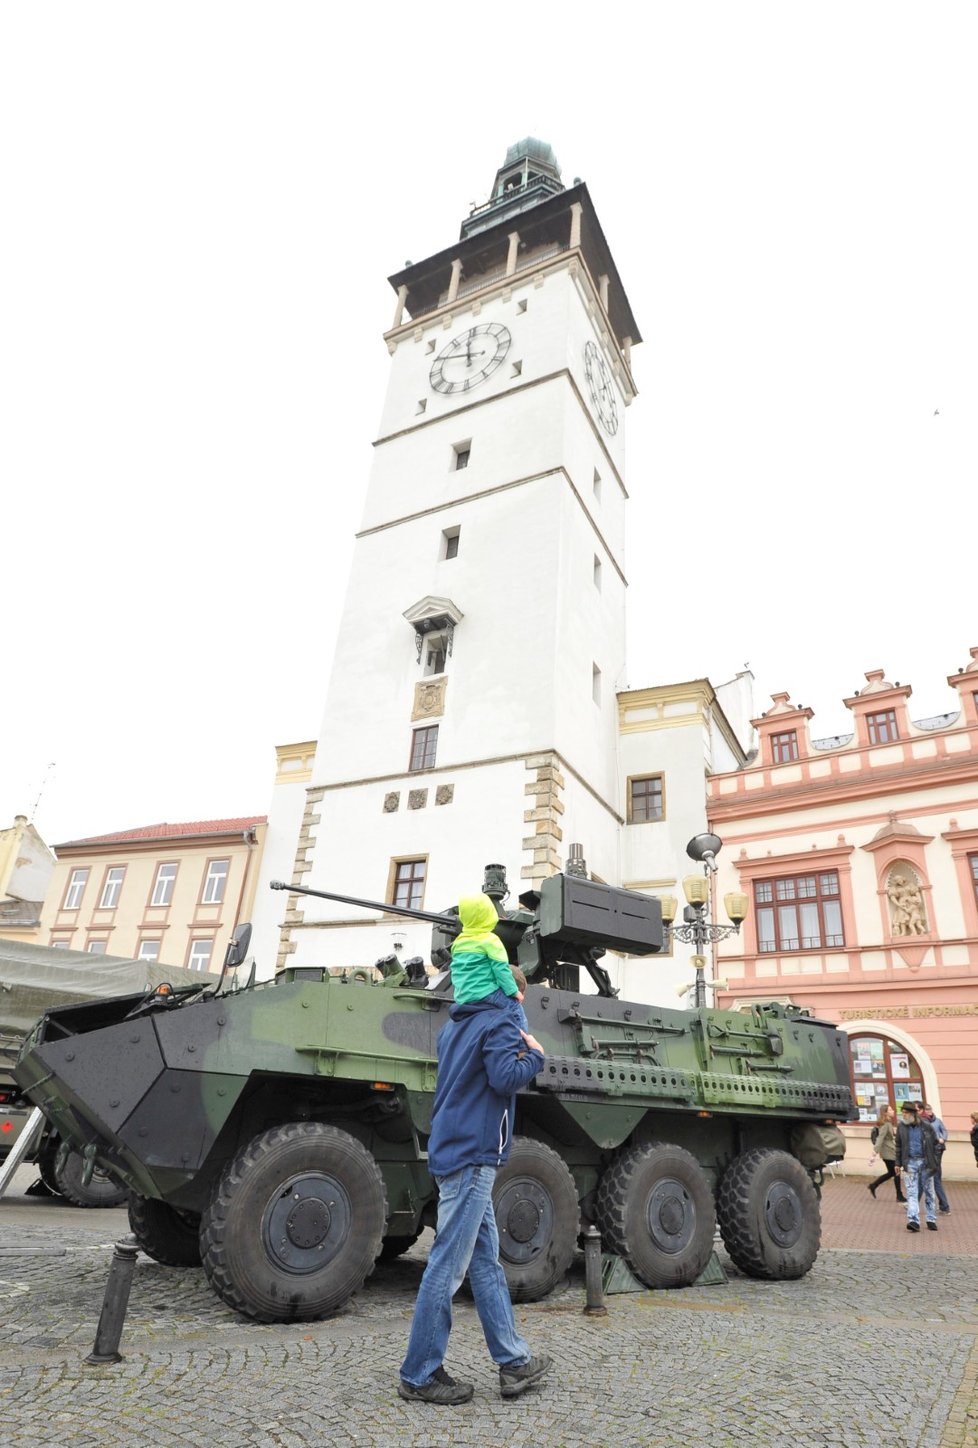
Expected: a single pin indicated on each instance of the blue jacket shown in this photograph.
(482, 1062)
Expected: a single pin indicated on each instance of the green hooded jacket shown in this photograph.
(480, 964)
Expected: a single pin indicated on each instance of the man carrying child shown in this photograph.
(485, 1055)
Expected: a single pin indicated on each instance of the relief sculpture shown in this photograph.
(906, 906)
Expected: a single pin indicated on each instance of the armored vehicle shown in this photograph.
(34, 978)
(277, 1133)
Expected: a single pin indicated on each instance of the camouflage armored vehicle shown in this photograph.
(277, 1133)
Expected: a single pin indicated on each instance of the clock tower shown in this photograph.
(471, 713)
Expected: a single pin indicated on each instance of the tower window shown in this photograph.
(521, 305)
(407, 885)
(450, 542)
(597, 485)
(596, 683)
(462, 451)
(436, 652)
(424, 747)
(596, 573)
(517, 369)
(422, 405)
(430, 347)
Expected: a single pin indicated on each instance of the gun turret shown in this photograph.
(568, 924)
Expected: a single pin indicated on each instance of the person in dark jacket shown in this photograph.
(917, 1159)
(974, 1135)
(484, 1058)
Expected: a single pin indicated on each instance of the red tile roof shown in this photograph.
(171, 832)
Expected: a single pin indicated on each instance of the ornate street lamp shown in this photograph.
(696, 930)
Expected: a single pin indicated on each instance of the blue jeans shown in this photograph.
(466, 1241)
(942, 1200)
(919, 1181)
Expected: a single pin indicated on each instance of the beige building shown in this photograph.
(26, 867)
(167, 892)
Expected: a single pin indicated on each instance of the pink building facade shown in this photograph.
(859, 855)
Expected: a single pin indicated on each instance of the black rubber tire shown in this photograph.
(50, 1145)
(392, 1247)
(102, 1191)
(769, 1215)
(538, 1219)
(654, 1209)
(295, 1223)
(164, 1233)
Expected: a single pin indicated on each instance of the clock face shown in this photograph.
(602, 388)
(470, 358)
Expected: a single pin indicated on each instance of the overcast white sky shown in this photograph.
(202, 204)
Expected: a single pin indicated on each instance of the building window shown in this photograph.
(596, 484)
(149, 950)
(112, 887)
(424, 745)
(646, 799)
(462, 451)
(215, 881)
(200, 954)
(435, 652)
(882, 727)
(596, 573)
(784, 747)
(409, 883)
(973, 866)
(60, 943)
(163, 885)
(802, 912)
(97, 947)
(450, 542)
(883, 1073)
(76, 889)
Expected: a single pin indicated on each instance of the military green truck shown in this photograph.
(278, 1133)
(34, 979)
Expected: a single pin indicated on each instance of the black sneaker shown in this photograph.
(913, 1226)
(944, 1211)
(932, 1226)
(441, 1389)
(513, 1381)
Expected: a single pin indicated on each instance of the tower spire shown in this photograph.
(528, 175)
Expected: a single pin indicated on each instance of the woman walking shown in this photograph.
(886, 1150)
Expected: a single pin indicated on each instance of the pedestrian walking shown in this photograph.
(940, 1131)
(916, 1160)
(974, 1135)
(484, 1058)
(886, 1151)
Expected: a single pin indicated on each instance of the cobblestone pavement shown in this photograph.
(878, 1345)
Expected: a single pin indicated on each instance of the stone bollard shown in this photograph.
(114, 1303)
(594, 1306)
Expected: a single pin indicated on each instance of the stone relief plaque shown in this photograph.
(444, 794)
(392, 802)
(417, 798)
(429, 698)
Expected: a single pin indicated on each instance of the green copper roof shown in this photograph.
(539, 151)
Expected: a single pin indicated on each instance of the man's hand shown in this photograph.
(532, 1042)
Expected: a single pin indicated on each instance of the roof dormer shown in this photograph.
(879, 710)
(783, 732)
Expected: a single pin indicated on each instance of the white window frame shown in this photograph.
(97, 947)
(165, 880)
(143, 953)
(76, 883)
(114, 877)
(215, 879)
(196, 961)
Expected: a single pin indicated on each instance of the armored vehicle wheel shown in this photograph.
(46, 1159)
(295, 1223)
(102, 1191)
(392, 1247)
(655, 1209)
(164, 1233)
(769, 1215)
(537, 1216)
